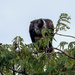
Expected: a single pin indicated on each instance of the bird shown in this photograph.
(35, 31)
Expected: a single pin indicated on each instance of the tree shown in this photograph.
(23, 59)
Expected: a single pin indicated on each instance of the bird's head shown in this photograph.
(39, 25)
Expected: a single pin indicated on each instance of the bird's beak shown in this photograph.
(44, 24)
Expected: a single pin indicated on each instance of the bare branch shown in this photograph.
(65, 35)
(64, 53)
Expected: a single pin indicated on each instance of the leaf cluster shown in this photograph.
(64, 18)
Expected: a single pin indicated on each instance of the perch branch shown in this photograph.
(64, 53)
(40, 51)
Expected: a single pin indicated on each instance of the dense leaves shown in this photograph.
(22, 59)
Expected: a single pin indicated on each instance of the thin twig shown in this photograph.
(21, 72)
(13, 68)
(17, 71)
(64, 53)
(65, 35)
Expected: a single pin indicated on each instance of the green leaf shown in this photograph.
(60, 25)
(49, 69)
(71, 45)
(62, 44)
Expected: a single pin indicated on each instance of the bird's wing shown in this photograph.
(32, 32)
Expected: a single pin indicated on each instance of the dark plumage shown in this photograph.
(37, 25)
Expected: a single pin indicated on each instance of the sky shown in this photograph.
(16, 15)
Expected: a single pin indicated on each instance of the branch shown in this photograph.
(18, 71)
(41, 51)
(65, 35)
(22, 72)
(65, 53)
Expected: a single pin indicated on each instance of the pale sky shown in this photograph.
(15, 17)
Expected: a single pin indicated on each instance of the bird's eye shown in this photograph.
(36, 22)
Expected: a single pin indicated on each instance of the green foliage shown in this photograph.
(43, 43)
(62, 44)
(35, 65)
(71, 45)
(22, 59)
(61, 22)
